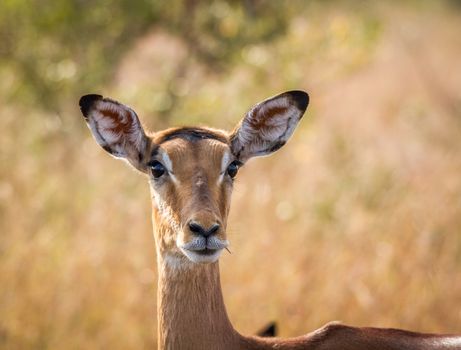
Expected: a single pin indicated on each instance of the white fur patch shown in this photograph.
(164, 209)
(174, 262)
(201, 259)
(169, 166)
(224, 164)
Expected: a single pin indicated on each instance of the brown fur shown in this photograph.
(199, 195)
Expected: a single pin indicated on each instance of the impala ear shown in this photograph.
(268, 125)
(115, 127)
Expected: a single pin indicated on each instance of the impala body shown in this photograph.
(191, 172)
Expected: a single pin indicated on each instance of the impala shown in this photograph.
(190, 172)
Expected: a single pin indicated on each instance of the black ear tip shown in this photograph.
(269, 331)
(87, 101)
(300, 98)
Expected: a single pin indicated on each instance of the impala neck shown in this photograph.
(190, 306)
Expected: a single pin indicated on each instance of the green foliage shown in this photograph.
(52, 49)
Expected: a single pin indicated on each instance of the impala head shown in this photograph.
(191, 170)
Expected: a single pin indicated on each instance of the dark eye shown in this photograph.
(157, 169)
(232, 169)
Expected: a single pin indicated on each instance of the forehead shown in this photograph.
(191, 134)
(192, 146)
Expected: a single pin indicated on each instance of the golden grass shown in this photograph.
(357, 219)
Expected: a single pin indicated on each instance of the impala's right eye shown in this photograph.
(157, 169)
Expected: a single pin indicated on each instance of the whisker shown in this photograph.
(228, 250)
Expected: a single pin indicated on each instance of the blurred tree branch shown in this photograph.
(52, 50)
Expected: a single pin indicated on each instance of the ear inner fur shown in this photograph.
(268, 125)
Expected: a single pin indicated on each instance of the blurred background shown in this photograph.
(357, 219)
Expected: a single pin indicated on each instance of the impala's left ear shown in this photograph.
(268, 125)
(116, 128)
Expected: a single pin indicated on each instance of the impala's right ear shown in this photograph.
(116, 128)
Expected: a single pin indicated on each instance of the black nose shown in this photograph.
(198, 229)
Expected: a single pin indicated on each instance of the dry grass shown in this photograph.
(358, 218)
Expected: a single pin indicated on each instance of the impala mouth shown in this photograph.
(203, 250)
(206, 251)
(203, 256)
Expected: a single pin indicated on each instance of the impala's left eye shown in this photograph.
(232, 169)
(157, 169)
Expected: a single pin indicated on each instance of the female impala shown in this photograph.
(191, 171)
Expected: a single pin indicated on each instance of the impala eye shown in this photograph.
(232, 169)
(157, 169)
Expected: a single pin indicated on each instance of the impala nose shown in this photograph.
(199, 230)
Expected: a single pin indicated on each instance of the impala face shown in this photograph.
(191, 176)
(191, 170)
